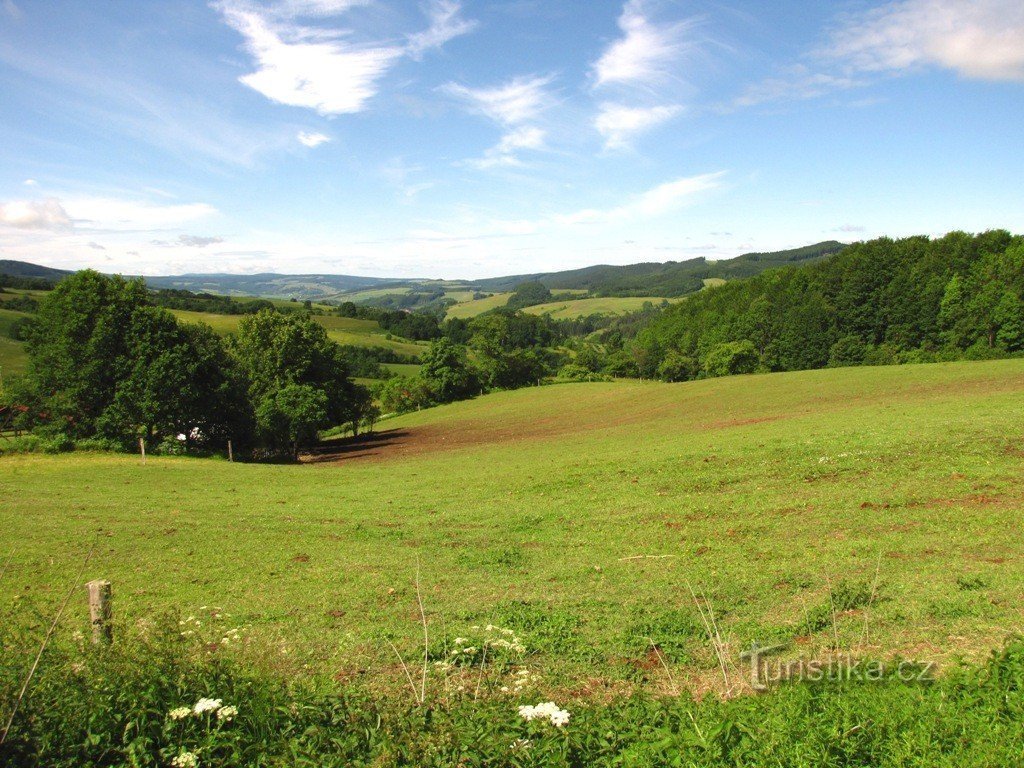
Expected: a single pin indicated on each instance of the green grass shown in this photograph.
(578, 515)
(343, 330)
(403, 369)
(611, 305)
(475, 307)
(13, 358)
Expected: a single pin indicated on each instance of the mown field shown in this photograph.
(13, 357)
(474, 307)
(610, 305)
(343, 330)
(872, 509)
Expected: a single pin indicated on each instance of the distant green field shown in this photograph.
(403, 369)
(13, 357)
(580, 516)
(475, 307)
(12, 293)
(370, 293)
(343, 330)
(600, 306)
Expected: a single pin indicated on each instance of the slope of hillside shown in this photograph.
(25, 269)
(576, 515)
(668, 278)
(269, 285)
(343, 330)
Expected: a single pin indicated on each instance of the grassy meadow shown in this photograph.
(474, 307)
(876, 510)
(343, 330)
(13, 357)
(609, 305)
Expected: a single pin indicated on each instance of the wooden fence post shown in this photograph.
(142, 448)
(231, 455)
(100, 611)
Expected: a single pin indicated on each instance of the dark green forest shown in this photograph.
(879, 302)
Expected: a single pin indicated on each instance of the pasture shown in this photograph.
(474, 307)
(13, 357)
(343, 330)
(876, 510)
(610, 305)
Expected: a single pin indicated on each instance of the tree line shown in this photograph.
(878, 302)
(106, 364)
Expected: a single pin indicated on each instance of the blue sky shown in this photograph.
(439, 138)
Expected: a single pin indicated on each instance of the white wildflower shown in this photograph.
(547, 710)
(179, 713)
(206, 705)
(186, 760)
(227, 714)
(520, 744)
(461, 640)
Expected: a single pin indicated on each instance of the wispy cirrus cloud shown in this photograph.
(512, 105)
(646, 53)
(517, 101)
(619, 124)
(312, 138)
(505, 152)
(655, 202)
(446, 23)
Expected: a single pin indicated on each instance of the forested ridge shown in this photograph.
(877, 302)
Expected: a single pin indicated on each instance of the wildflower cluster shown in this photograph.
(521, 680)
(205, 736)
(214, 634)
(547, 710)
(224, 713)
(489, 643)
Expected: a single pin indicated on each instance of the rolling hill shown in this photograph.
(669, 279)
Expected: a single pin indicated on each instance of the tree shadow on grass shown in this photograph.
(363, 446)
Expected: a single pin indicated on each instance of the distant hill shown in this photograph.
(669, 279)
(25, 269)
(272, 285)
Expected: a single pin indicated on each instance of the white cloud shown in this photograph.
(316, 7)
(30, 183)
(198, 241)
(796, 83)
(445, 24)
(518, 101)
(307, 67)
(46, 214)
(653, 203)
(504, 153)
(981, 39)
(311, 139)
(646, 51)
(95, 246)
(619, 123)
(115, 214)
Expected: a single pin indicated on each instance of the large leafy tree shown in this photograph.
(104, 361)
(447, 372)
(279, 351)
